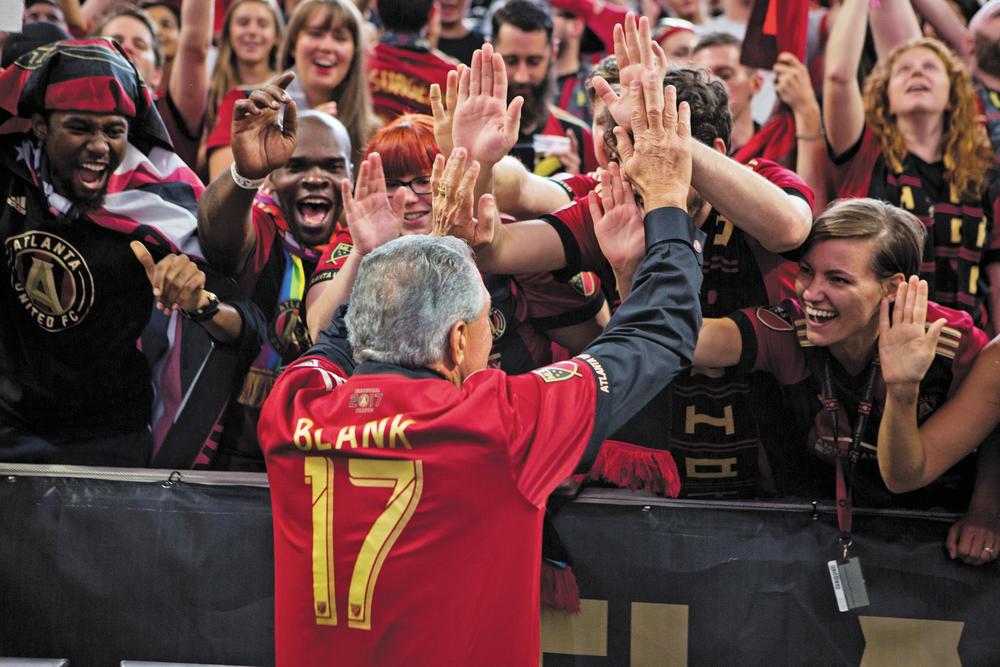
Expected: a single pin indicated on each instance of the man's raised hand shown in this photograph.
(259, 144)
(637, 55)
(658, 161)
(454, 185)
(482, 122)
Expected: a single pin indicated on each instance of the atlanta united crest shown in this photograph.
(50, 279)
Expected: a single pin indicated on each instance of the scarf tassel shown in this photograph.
(638, 468)
(256, 387)
(559, 588)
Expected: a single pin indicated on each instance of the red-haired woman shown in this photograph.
(913, 138)
(392, 198)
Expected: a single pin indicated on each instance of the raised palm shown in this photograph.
(482, 122)
(371, 219)
(636, 54)
(618, 220)
(907, 345)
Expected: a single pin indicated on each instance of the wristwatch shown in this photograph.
(207, 311)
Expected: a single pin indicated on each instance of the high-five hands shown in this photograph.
(638, 56)
(453, 185)
(906, 345)
(177, 282)
(371, 217)
(658, 160)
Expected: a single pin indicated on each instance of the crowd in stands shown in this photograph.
(187, 204)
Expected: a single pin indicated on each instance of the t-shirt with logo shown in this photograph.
(74, 301)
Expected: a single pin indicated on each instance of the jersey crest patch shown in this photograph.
(498, 323)
(773, 317)
(341, 250)
(558, 372)
(585, 283)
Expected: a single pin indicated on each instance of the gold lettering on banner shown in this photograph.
(708, 372)
(693, 418)
(710, 468)
(906, 197)
(973, 279)
(910, 641)
(981, 234)
(723, 235)
(585, 633)
(956, 230)
(659, 635)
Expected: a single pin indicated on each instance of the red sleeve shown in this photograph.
(220, 137)
(576, 231)
(549, 414)
(786, 179)
(334, 256)
(852, 172)
(770, 340)
(603, 23)
(576, 185)
(960, 340)
(552, 304)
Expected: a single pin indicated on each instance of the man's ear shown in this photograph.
(756, 83)
(40, 126)
(458, 343)
(156, 78)
(720, 146)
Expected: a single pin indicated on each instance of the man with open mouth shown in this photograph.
(96, 211)
(273, 238)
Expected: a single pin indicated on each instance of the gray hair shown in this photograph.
(408, 294)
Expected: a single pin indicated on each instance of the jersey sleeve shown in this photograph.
(552, 304)
(333, 345)
(991, 205)
(786, 179)
(549, 414)
(770, 342)
(576, 232)
(575, 185)
(652, 335)
(334, 256)
(264, 230)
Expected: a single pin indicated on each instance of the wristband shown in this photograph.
(243, 181)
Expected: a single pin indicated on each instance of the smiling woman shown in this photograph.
(824, 343)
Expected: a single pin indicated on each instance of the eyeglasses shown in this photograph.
(418, 186)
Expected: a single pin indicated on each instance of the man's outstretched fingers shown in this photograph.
(476, 79)
(142, 254)
(283, 79)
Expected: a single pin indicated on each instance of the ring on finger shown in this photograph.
(989, 550)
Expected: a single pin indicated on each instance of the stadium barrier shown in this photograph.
(100, 565)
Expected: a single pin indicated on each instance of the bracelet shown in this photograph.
(819, 136)
(243, 181)
(207, 311)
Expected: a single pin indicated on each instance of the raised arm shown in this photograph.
(260, 146)
(188, 83)
(651, 337)
(794, 87)
(778, 220)
(843, 107)
(893, 23)
(946, 24)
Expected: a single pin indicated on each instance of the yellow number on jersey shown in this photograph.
(406, 479)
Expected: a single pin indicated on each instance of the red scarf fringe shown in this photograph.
(638, 468)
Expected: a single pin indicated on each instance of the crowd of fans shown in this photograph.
(840, 182)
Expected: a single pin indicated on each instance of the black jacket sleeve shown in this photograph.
(652, 335)
(333, 343)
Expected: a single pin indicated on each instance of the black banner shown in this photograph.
(133, 566)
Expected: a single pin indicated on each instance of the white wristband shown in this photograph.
(243, 181)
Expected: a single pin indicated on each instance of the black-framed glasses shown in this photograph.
(420, 185)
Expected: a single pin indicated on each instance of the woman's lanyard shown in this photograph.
(848, 452)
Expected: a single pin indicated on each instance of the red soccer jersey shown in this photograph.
(400, 76)
(408, 512)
